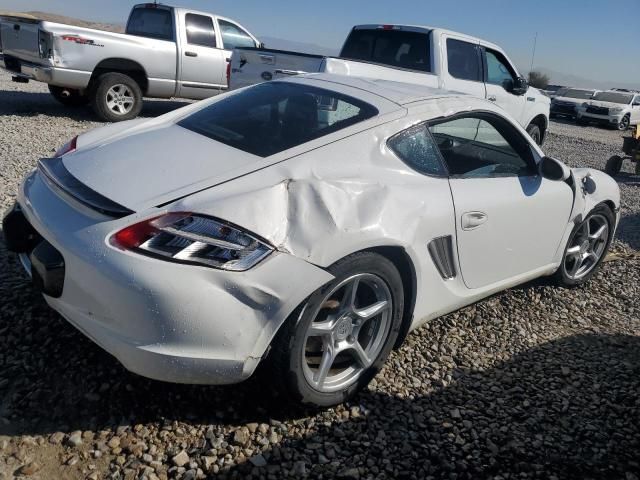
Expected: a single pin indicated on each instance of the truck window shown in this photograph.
(463, 60)
(498, 69)
(233, 36)
(200, 30)
(397, 48)
(274, 116)
(151, 23)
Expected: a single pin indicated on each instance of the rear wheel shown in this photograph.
(116, 97)
(614, 165)
(337, 341)
(68, 96)
(534, 132)
(586, 248)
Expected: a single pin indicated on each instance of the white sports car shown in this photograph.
(306, 225)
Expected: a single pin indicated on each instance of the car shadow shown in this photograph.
(628, 231)
(28, 104)
(568, 407)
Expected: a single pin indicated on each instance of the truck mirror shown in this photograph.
(520, 86)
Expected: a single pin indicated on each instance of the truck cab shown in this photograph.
(412, 54)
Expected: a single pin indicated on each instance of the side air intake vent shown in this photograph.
(441, 250)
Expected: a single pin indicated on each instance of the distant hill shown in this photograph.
(570, 80)
(51, 17)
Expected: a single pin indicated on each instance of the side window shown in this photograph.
(498, 69)
(483, 146)
(463, 60)
(200, 30)
(416, 148)
(233, 36)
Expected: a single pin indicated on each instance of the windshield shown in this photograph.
(153, 22)
(397, 48)
(271, 117)
(575, 93)
(614, 97)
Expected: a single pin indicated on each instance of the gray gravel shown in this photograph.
(536, 382)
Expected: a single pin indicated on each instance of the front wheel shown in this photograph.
(586, 248)
(116, 97)
(336, 342)
(624, 123)
(534, 132)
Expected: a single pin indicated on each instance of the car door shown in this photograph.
(509, 220)
(500, 78)
(462, 71)
(202, 63)
(233, 36)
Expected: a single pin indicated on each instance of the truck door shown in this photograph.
(462, 69)
(500, 77)
(202, 60)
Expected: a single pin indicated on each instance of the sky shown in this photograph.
(598, 40)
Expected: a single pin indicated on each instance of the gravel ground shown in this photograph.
(536, 382)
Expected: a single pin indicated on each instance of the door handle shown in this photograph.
(191, 54)
(472, 220)
(289, 72)
(491, 98)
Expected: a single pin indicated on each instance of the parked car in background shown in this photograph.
(309, 225)
(566, 100)
(552, 90)
(612, 108)
(424, 55)
(165, 52)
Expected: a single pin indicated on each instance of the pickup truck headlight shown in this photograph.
(189, 238)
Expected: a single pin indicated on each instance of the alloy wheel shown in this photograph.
(586, 246)
(120, 99)
(347, 333)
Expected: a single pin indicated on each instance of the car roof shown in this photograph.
(401, 93)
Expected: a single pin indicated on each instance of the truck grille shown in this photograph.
(598, 110)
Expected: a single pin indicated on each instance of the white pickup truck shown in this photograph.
(423, 55)
(166, 52)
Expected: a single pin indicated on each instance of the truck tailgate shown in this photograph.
(21, 38)
(359, 68)
(255, 65)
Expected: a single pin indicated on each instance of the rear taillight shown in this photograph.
(68, 147)
(228, 72)
(189, 238)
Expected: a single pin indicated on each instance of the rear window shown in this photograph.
(151, 23)
(397, 48)
(272, 117)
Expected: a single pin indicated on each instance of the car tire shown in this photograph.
(614, 165)
(298, 348)
(534, 132)
(116, 97)
(624, 123)
(567, 274)
(68, 97)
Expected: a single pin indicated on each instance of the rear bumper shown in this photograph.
(62, 77)
(166, 321)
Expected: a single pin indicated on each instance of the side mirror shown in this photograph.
(520, 86)
(507, 84)
(553, 169)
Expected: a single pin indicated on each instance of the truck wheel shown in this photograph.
(116, 97)
(534, 132)
(68, 96)
(613, 166)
